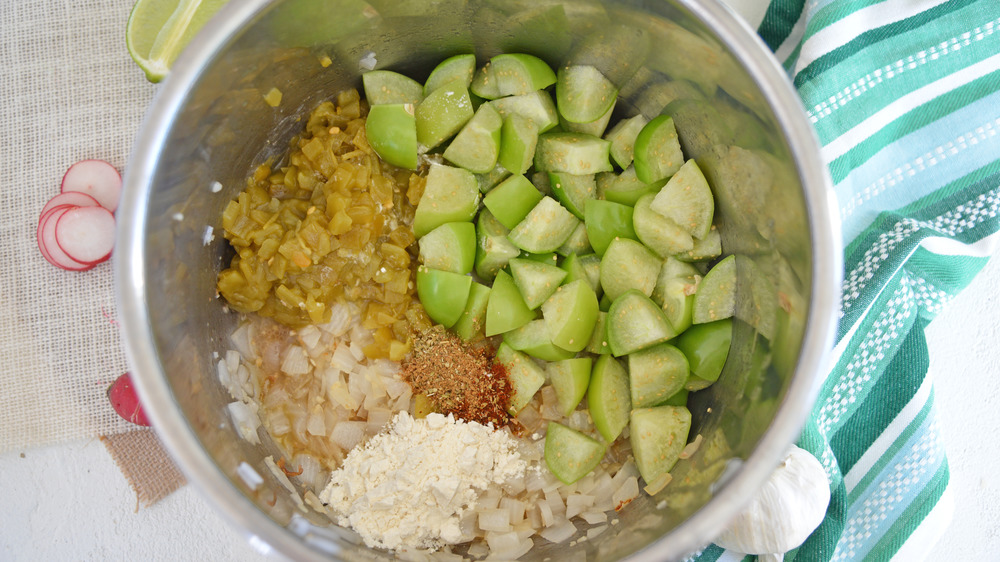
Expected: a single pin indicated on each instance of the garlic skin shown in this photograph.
(786, 510)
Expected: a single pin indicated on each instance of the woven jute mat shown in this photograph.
(70, 92)
(145, 464)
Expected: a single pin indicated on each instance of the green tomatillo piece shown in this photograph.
(443, 294)
(392, 133)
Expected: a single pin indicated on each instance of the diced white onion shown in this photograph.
(277, 423)
(515, 507)
(593, 516)
(497, 520)
(507, 546)
(348, 434)
(245, 420)
(295, 362)
(478, 549)
(241, 341)
(559, 532)
(317, 422)
(377, 418)
(545, 511)
(625, 493)
(627, 470)
(577, 504)
(658, 483)
(343, 359)
(691, 447)
(309, 336)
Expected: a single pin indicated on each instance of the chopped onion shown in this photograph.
(691, 447)
(311, 470)
(224, 379)
(377, 418)
(524, 529)
(559, 532)
(277, 423)
(593, 516)
(627, 470)
(395, 387)
(489, 500)
(586, 484)
(245, 420)
(497, 520)
(232, 360)
(555, 502)
(507, 546)
(658, 483)
(403, 402)
(317, 422)
(515, 507)
(241, 341)
(533, 479)
(340, 394)
(348, 434)
(625, 493)
(295, 362)
(534, 517)
(343, 359)
(340, 320)
(603, 492)
(577, 504)
(545, 510)
(478, 549)
(284, 481)
(309, 336)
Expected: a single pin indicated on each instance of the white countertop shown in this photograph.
(70, 502)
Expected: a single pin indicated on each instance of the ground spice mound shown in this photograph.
(458, 378)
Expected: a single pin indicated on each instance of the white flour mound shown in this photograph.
(410, 484)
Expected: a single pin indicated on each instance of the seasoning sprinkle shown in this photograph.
(459, 379)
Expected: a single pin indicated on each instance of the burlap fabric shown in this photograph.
(68, 91)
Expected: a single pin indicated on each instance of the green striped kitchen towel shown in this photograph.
(905, 98)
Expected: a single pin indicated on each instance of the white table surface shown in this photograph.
(70, 502)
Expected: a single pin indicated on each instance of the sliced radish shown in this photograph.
(86, 234)
(125, 401)
(75, 198)
(96, 178)
(47, 241)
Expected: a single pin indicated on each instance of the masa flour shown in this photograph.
(409, 486)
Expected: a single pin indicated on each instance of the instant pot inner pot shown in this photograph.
(219, 129)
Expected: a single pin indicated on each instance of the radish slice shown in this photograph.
(75, 198)
(86, 234)
(47, 241)
(96, 178)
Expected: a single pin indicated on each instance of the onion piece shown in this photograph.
(245, 420)
(658, 483)
(559, 532)
(496, 520)
(691, 447)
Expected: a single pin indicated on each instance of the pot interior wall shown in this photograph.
(656, 53)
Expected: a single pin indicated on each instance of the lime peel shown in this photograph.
(158, 30)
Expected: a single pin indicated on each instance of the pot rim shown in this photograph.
(690, 535)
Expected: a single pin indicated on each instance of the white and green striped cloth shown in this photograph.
(905, 98)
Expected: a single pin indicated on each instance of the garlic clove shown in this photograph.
(785, 511)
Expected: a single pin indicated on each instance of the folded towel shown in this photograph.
(905, 99)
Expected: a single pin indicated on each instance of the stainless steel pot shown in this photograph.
(737, 114)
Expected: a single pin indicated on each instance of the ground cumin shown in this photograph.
(458, 378)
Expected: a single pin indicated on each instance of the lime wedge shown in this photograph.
(158, 30)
